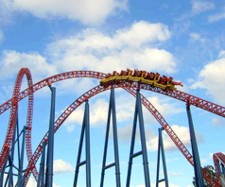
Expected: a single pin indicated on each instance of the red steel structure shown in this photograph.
(13, 116)
(219, 161)
(127, 84)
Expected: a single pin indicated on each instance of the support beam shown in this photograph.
(111, 113)
(41, 175)
(2, 174)
(15, 171)
(138, 114)
(84, 131)
(9, 179)
(20, 182)
(161, 150)
(88, 145)
(194, 146)
(50, 150)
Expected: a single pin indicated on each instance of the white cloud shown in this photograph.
(5, 11)
(124, 133)
(86, 11)
(196, 37)
(207, 160)
(55, 185)
(217, 17)
(149, 33)
(222, 54)
(133, 47)
(125, 113)
(164, 106)
(13, 61)
(32, 183)
(100, 44)
(98, 115)
(182, 133)
(1, 36)
(71, 85)
(199, 6)
(175, 173)
(61, 166)
(212, 77)
(74, 119)
(152, 139)
(218, 121)
(99, 112)
(136, 46)
(125, 105)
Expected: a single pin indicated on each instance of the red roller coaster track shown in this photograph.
(98, 90)
(13, 116)
(127, 85)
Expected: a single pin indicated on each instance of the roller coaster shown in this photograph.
(149, 78)
(130, 81)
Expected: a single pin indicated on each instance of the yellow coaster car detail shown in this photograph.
(150, 78)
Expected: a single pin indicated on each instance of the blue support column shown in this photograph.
(41, 175)
(5, 177)
(112, 110)
(84, 131)
(2, 175)
(20, 182)
(11, 156)
(15, 170)
(50, 150)
(138, 114)
(223, 169)
(161, 150)
(79, 163)
(87, 141)
(196, 159)
(219, 168)
(105, 148)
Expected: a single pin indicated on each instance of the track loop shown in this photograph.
(13, 117)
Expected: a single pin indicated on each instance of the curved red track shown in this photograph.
(129, 86)
(13, 116)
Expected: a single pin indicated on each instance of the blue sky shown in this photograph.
(183, 39)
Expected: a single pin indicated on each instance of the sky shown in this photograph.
(183, 39)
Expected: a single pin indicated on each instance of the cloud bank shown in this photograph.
(137, 46)
(86, 11)
(212, 77)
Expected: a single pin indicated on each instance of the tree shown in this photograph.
(211, 171)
